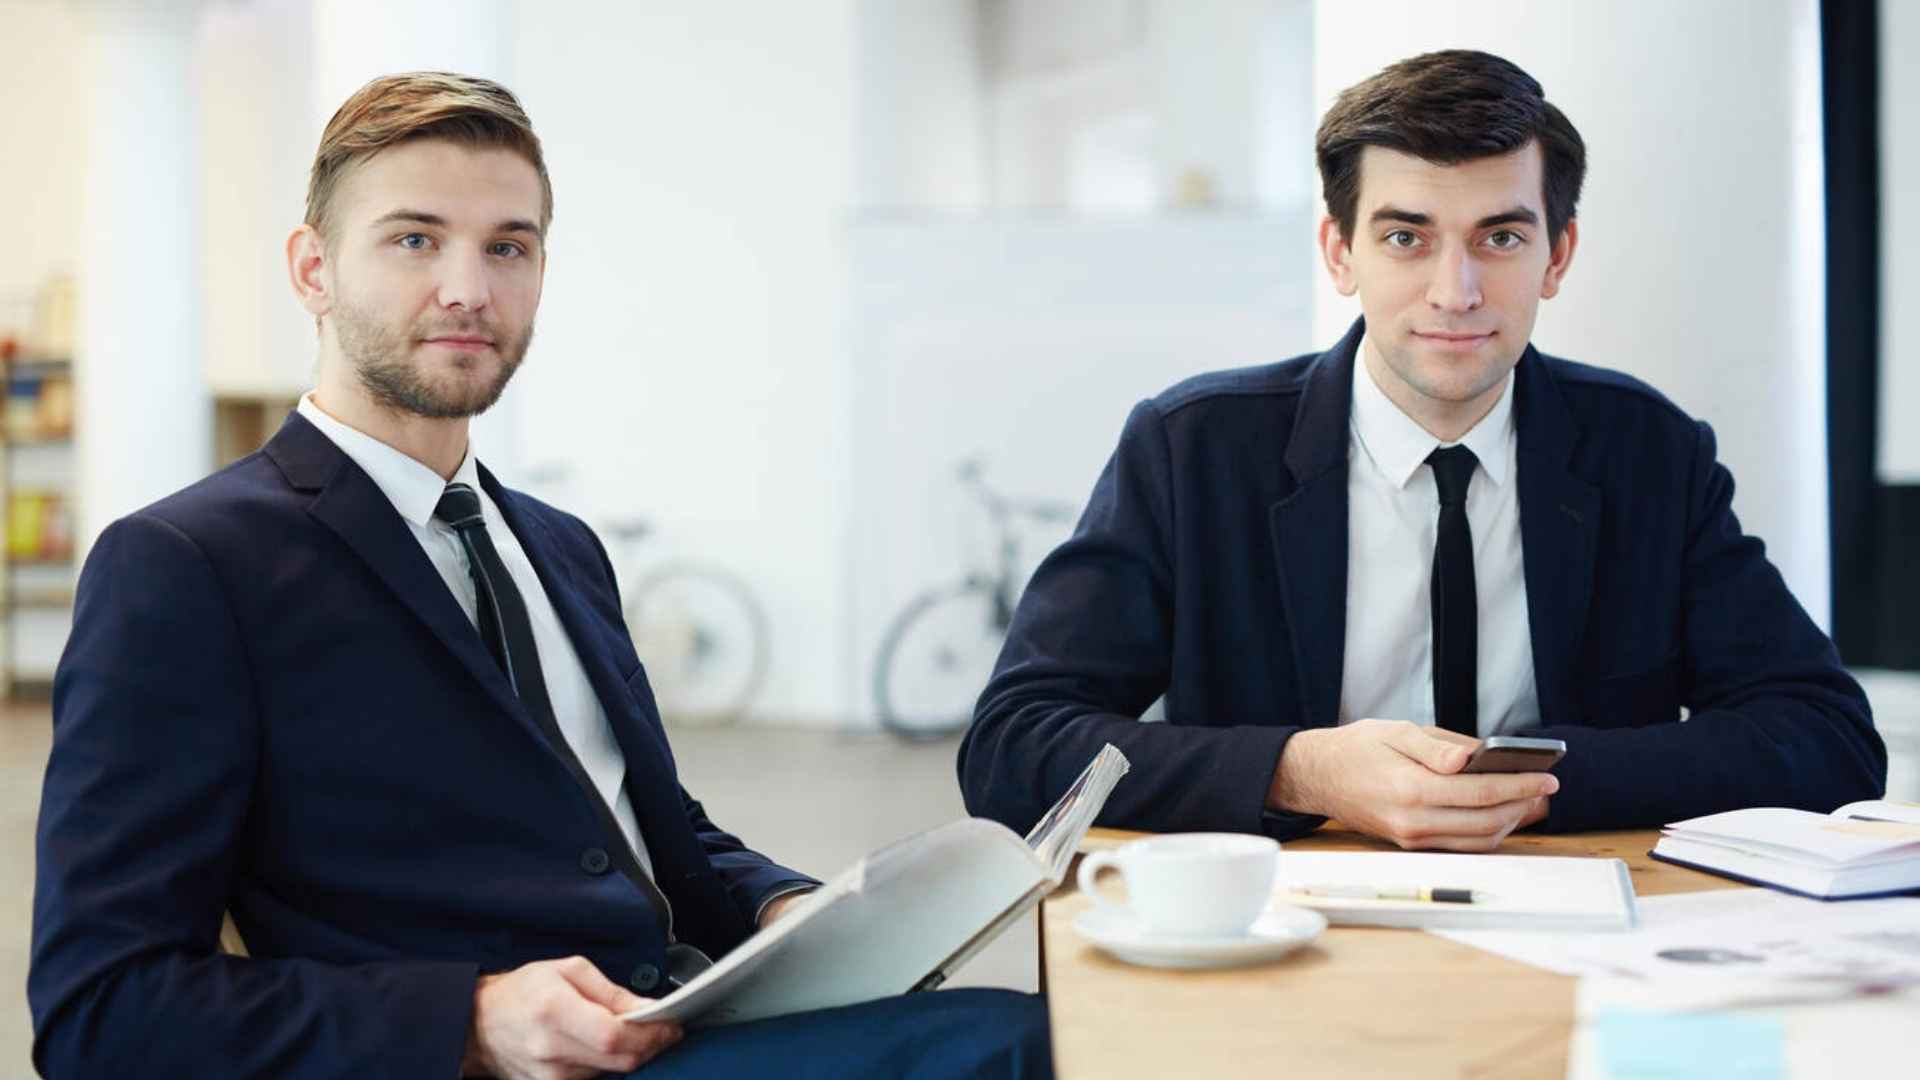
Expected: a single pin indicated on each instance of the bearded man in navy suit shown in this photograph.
(385, 711)
(1344, 570)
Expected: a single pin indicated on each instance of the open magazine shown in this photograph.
(901, 919)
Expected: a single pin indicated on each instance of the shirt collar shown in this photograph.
(1398, 446)
(412, 488)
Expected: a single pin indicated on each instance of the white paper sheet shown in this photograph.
(1754, 933)
(1786, 937)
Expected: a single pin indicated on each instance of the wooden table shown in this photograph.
(1359, 1002)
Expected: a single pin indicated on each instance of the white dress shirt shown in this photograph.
(1393, 514)
(414, 490)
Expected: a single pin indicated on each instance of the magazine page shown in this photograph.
(898, 920)
(1053, 841)
(885, 924)
(1057, 835)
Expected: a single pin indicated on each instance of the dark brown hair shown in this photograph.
(421, 105)
(1448, 107)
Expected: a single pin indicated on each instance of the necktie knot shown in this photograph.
(459, 508)
(1452, 472)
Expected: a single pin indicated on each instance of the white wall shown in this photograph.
(920, 142)
(1899, 264)
(45, 145)
(254, 72)
(688, 363)
(139, 391)
(1701, 260)
(1025, 343)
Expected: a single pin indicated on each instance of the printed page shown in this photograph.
(1786, 937)
(872, 932)
(1590, 952)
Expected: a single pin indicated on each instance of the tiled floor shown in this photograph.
(817, 800)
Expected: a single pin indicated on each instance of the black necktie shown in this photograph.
(1456, 653)
(502, 613)
(508, 632)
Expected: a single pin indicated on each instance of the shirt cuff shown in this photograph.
(788, 889)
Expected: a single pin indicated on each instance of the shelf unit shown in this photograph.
(243, 422)
(36, 543)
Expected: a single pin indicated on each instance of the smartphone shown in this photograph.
(1510, 753)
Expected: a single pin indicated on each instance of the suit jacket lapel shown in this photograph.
(646, 755)
(349, 503)
(1310, 532)
(1559, 520)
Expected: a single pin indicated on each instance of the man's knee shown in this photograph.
(1006, 1032)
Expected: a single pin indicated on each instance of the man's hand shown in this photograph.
(1398, 781)
(558, 1020)
(778, 907)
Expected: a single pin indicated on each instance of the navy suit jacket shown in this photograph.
(1211, 566)
(272, 704)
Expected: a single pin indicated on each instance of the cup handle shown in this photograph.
(1090, 868)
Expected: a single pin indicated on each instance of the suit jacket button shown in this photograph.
(594, 861)
(645, 978)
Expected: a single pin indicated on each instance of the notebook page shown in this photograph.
(1793, 834)
(1517, 887)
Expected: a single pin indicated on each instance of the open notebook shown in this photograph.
(1863, 849)
(903, 918)
(1516, 892)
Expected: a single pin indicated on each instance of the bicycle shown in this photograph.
(938, 651)
(698, 628)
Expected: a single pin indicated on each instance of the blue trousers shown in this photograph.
(927, 1036)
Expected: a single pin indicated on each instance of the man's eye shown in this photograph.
(1506, 240)
(1401, 238)
(415, 241)
(507, 249)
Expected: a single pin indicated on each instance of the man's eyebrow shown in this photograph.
(1394, 213)
(417, 217)
(421, 217)
(1519, 215)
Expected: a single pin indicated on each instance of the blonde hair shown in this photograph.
(394, 109)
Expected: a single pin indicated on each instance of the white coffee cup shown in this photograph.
(1189, 884)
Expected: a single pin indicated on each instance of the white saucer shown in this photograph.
(1278, 931)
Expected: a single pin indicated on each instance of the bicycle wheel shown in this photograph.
(935, 660)
(703, 639)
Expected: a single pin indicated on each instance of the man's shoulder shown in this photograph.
(566, 527)
(1605, 400)
(1256, 386)
(237, 496)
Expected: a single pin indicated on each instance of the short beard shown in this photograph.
(381, 360)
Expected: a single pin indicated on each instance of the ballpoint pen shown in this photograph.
(1410, 892)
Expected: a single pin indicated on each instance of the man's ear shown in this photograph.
(1338, 255)
(1562, 258)
(307, 267)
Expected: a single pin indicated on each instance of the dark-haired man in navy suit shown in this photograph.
(1344, 570)
(385, 711)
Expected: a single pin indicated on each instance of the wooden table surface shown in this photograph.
(1358, 1002)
